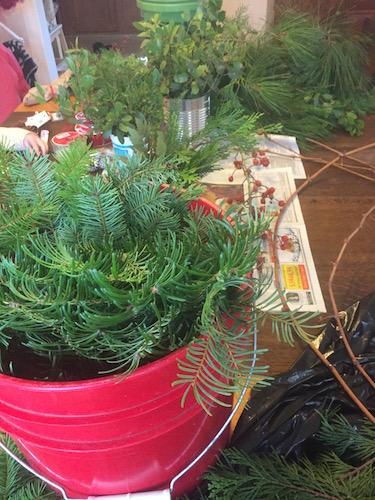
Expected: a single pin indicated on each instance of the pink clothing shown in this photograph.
(13, 86)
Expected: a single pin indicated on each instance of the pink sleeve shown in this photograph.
(12, 83)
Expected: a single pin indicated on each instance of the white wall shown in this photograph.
(28, 20)
(260, 11)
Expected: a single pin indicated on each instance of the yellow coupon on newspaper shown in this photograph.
(295, 277)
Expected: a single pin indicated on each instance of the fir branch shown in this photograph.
(15, 482)
(339, 435)
(326, 475)
(72, 164)
(122, 271)
(33, 178)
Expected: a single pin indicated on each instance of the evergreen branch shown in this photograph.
(326, 474)
(72, 164)
(34, 180)
(340, 436)
(19, 220)
(15, 482)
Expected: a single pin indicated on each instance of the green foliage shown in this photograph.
(335, 112)
(195, 57)
(111, 90)
(15, 482)
(343, 468)
(192, 158)
(306, 73)
(112, 272)
(309, 75)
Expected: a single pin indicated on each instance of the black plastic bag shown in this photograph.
(283, 416)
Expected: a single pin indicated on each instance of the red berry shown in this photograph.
(271, 189)
(281, 203)
(285, 237)
(229, 201)
(264, 236)
(258, 183)
(254, 154)
(239, 198)
(265, 161)
(262, 152)
(256, 161)
(231, 178)
(255, 187)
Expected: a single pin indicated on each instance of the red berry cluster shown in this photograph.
(259, 158)
(239, 198)
(285, 243)
(264, 192)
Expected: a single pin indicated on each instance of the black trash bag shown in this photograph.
(284, 415)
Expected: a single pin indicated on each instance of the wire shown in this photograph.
(227, 422)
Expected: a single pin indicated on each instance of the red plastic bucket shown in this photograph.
(109, 436)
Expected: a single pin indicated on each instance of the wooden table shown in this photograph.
(333, 205)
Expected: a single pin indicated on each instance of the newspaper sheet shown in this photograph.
(282, 181)
(296, 269)
(283, 151)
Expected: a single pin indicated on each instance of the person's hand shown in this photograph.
(33, 142)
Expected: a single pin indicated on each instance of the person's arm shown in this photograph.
(32, 141)
(22, 139)
(13, 136)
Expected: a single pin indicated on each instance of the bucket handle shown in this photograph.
(146, 495)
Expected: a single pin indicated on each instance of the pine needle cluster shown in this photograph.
(308, 74)
(15, 482)
(102, 274)
(343, 468)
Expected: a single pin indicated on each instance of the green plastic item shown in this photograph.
(169, 11)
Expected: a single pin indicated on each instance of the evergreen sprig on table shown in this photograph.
(308, 74)
(341, 467)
